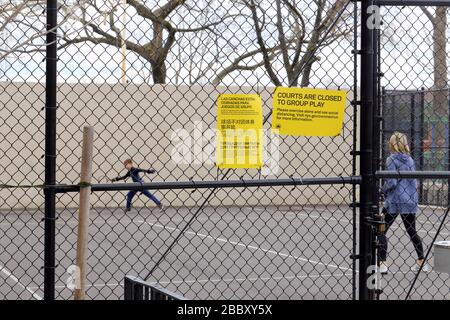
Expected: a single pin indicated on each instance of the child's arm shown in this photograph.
(146, 171)
(121, 178)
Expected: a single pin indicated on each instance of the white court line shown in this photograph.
(95, 285)
(274, 216)
(64, 223)
(16, 280)
(424, 206)
(315, 276)
(349, 221)
(224, 219)
(218, 219)
(162, 220)
(240, 244)
(190, 281)
(254, 279)
(344, 212)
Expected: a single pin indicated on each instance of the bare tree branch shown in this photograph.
(24, 10)
(163, 37)
(428, 14)
(262, 45)
(236, 64)
(301, 60)
(168, 8)
(282, 39)
(208, 26)
(147, 13)
(300, 31)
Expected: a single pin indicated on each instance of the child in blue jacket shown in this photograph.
(401, 198)
(134, 173)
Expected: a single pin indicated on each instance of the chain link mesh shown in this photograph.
(414, 62)
(146, 75)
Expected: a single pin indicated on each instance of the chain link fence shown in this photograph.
(414, 58)
(412, 113)
(146, 75)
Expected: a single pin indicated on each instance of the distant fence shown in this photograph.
(412, 113)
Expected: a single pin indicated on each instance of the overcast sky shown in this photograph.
(406, 51)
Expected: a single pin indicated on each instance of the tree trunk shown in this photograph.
(306, 74)
(440, 95)
(159, 72)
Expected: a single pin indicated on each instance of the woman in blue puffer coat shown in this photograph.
(401, 198)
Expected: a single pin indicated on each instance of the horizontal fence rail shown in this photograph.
(412, 2)
(413, 174)
(244, 183)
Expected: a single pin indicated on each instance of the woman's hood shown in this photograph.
(400, 157)
(401, 160)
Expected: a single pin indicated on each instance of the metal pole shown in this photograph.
(447, 145)
(215, 184)
(354, 147)
(83, 212)
(412, 130)
(433, 175)
(376, 106)
(422, 135)
(366, 148)
(413, 3)
(383, 127)
(50, 151)
(376, 138)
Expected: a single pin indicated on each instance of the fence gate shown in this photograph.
(414, 100)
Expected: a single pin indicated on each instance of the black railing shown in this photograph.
(137, 289)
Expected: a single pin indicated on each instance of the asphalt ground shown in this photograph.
(228, 252)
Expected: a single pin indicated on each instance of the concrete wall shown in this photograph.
(138, 122)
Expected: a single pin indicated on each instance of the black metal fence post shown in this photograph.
(422, 136)
(383, 125)
(354, 148)
(366, 149)
(50, 151)
(447, 145)
(377, 142)
(412, 130)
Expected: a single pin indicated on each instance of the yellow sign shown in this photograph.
(239, 131)
(308, 112)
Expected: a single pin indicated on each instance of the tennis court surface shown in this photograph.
(228, 252)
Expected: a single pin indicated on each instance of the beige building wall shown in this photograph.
(139, 121)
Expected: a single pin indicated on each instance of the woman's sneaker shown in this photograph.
(426, 267)
(383, 268)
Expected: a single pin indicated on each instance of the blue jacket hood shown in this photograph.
(401, 161)
(400, 157)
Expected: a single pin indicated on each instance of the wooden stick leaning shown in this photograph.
(83, 218)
